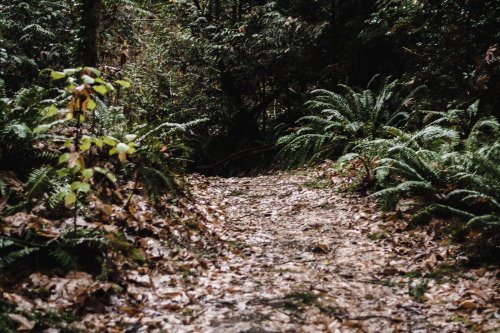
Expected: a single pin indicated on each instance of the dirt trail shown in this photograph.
(301, 261)
(276, 253)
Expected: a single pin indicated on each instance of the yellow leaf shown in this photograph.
(91, 105)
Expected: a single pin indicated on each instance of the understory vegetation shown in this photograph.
(106, 106)
(448, 166)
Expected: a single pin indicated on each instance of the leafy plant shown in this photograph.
(75, 250)
(345, 121)
(35, 35)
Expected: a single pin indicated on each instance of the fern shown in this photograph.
(17, 256)
(345, 121)
(81, 249)
(39, 181)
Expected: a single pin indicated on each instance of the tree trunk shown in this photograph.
(91, 17)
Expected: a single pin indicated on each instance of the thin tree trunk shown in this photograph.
(91, 17)
(234, 12)
(217, 10)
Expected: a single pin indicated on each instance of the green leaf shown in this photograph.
(111, 177)
(87, 79)
(109, 141)
(122, 148)
(84, 187)
(68, 142)
(122, 83)
(85, 145)
(100, 170)
(41, 129)
(91, 104)
(87, 173)
(102, 89)
(62, 172)
(98, 142)
(112, 151)
(64, 158)
(93, 70)
(70, 198)
(52, 110)
(70, 71)
(57, 75)
(79, 186)
(130, 137)
(110, 86)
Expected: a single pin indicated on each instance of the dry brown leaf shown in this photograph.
(23, 322)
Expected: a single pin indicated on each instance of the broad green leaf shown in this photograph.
(109, 141)
(68, 142)
(57, 75)
(64, 158)
(93, 70)
(112, 151)
(85, 145)
(91, 104)
(122, 83)
(99, 80)
(82, 118)
(111, 177)
(122, 148)
(87, 79)
(130, 137)
(110, 86)
(100, 170)
(69, 71)
(70, 198)
(101, 89)
(52, 110)
(98, 142)
(79, 186)
(87, 173)
(41, 129)
(84, 187)
(62, 172)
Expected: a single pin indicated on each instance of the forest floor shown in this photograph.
(298, 255)
(307, 258)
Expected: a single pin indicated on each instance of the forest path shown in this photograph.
(300, 260)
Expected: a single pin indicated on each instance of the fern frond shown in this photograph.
(14, 257)
(487, 220)
(39, 181)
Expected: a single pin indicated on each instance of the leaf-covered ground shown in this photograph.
(308, 259)
(276, 253)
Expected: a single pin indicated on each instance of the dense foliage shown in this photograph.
(98, 97)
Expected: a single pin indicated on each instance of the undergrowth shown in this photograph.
(450, 166)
